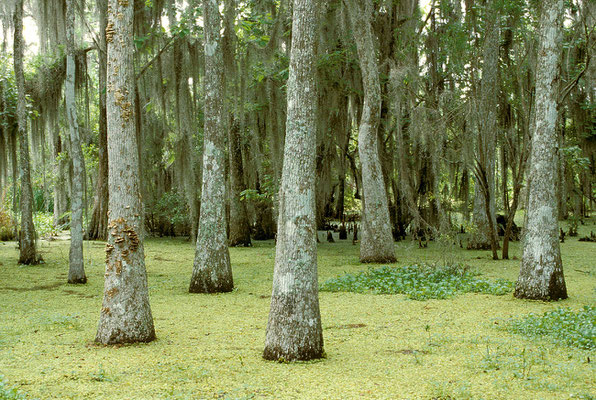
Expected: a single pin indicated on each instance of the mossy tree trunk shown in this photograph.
(541, 275)
(376, 241)
(98, 226)
(294, 329)
(212, 271)
(28, 253)
(126, 313)
(76, 272)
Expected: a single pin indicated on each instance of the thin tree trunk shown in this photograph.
(510, 217)
(239, 226)
(76, 272)
(60, 169)
(212, 271)
(15, 174)
(294, 329)
(126, 313)
(28, 253)
(541, 274)
(98, 227)
(377, 242)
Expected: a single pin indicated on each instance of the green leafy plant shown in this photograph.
(266, 191)
(573, 328)
(170, 215)
(418, 282)
(44, 225)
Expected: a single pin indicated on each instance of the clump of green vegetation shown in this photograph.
(44, 225)
(418, 282)
(9, 393)
(573, 328)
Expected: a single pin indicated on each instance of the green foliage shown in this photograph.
(573, 328)
(91, 154)
(44, 224)
(573, 155)
(8, 93)
(418, 282)
(253, 28)
(266, 191)
(9, 393)
(40, 203)
(169, 216)
(172, 206)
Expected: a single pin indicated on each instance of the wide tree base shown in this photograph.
(378, 259)
(553, 294)
(240, 243)
(119, 337)
(278, 354)
(202, 283)
(31, 260)
(77, 281)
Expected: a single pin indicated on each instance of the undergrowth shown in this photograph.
(418, 282)
(44, 224)
(573, 328)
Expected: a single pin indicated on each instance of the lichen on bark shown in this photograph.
(126, 314)
(212, 271)
(294, 329)
(541, 274)
(377, 241)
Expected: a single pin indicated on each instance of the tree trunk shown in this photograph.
(239, 232)
(239, 226)
(212, 271)
(76, 272)
(294, 329)
(126, 313)
(60, 169)
(487, 126)
(28, 253)
(377, 242)
(510, 218)
(541, 275)
(98, 227)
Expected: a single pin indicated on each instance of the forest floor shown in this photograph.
(209, 346)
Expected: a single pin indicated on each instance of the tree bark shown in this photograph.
(212, 271)
(126, 313)
(487, 126)
(541, 275)
(76, 272)
(377, 242)
(28, 253)
(60, 170)
(239, 226)
(98, 227)
(239, 233)
(294, 329)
